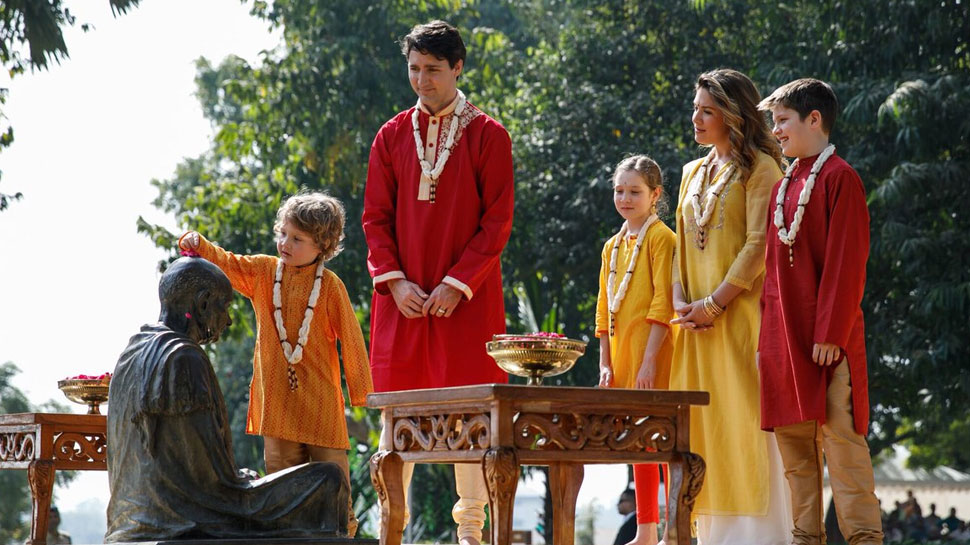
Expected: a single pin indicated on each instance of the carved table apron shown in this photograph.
(42, 443)
(503, 426)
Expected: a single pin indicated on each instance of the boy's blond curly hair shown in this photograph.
(318, 215)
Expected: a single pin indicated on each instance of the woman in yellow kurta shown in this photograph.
(634, 308)
(717, 277)
(295, 399)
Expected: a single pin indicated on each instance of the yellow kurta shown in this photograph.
(647, 302)
(314, 412)
(727, 433)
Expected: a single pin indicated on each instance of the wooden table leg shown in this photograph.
(686, 477)
(565, 479)
(501, 468)
(386, 474)
(40, 476)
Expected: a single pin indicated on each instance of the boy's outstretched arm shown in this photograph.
(242, 270)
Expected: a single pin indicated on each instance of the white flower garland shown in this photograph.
(294, 355)
(702, 215)
(787, 236)
(429, 171)
(613, 300)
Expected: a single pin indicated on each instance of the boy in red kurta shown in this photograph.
(437, 215)
(814, 392)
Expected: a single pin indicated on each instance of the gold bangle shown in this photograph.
(711, 308)
(707, 309)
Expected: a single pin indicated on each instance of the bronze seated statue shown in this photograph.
(170, 463)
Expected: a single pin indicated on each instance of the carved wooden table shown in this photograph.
(42, 443)
(503, 426)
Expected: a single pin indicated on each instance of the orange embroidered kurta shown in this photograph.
(314, 412)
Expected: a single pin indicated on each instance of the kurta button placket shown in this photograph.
(427, 191)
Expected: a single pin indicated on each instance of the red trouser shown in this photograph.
(646, 481)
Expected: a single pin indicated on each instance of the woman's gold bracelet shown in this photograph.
(711, 308)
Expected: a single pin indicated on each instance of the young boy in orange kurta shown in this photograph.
(302, 310)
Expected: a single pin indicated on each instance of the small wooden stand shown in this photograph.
(42, 443)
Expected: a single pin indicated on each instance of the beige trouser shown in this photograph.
(280, 454)
(850, 471)
(469, 511)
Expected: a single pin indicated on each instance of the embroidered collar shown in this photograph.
(431, 169)
(447, 110)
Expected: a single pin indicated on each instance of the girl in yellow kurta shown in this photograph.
(718, 271)
(295, 399)
(634, 308)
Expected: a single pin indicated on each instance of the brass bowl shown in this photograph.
(90, 392)
(534, 357)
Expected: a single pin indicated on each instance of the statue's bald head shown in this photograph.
(186, 276)
(194, 296)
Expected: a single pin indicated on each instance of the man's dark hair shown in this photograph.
(436, 38)
(803, 96)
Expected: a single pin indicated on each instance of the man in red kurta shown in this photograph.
(814, 392)
(437, 214)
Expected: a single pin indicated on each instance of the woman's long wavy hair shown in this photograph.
(737, 98)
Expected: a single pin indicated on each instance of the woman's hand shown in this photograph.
(681, 308)
(692, 317)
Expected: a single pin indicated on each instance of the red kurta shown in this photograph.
(457, 237)
(817, 300)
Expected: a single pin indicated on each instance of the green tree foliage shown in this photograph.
(15, 507)
(921, 255)
(6, 138)
(580, 85)
(38, 26)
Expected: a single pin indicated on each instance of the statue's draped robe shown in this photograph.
(170, 464)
